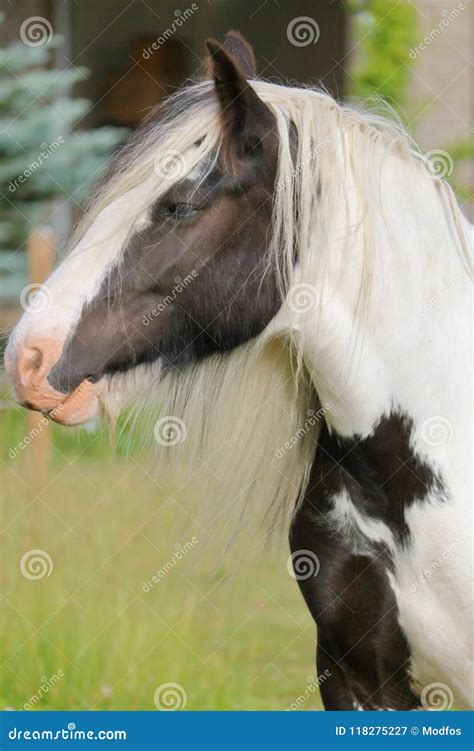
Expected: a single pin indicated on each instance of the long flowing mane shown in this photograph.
(328, 134)
(262, 389)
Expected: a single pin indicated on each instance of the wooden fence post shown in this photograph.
(41, 253)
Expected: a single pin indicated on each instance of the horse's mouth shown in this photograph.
(76, 408)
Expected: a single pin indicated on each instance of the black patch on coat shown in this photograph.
(360, 641)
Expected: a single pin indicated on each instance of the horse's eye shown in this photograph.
(180, 210)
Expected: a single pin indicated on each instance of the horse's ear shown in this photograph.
(241, 52)
(248, 122)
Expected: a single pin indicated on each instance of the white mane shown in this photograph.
(240, 408)
(333, 139)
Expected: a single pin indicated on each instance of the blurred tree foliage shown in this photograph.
(41, 156)
(386, 30)
(462, 151)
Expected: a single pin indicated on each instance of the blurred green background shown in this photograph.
(234, 634)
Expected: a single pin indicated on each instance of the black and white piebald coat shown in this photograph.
(258, 251)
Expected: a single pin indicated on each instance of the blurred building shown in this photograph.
(111, 37)
(442, 79)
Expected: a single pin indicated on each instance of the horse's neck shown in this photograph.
(407, 351)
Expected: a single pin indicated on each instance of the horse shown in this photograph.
(287, 279)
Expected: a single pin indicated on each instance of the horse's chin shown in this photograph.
(104, 399)
(81, 407)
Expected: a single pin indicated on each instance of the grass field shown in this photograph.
(88, 635)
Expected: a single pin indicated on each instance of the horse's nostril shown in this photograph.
(36, 358)
(29, 363)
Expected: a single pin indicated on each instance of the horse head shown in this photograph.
(171, 265)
